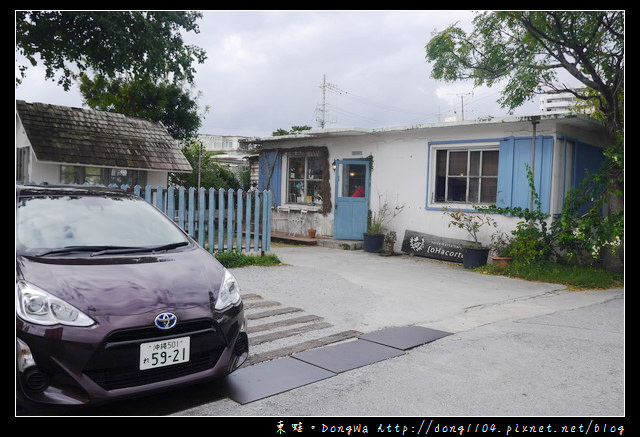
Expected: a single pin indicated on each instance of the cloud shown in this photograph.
(264, 70)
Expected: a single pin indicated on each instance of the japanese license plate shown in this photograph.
(164, 353)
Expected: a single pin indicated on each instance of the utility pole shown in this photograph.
(462, 101)
(326, 86)
(323, 110)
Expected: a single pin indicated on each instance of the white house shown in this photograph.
(228, 150)
(60, 144)
(424, 169)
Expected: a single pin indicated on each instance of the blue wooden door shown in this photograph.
(352, 199)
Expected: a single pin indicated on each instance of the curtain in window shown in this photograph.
(270, 173)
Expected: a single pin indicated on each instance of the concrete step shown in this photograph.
(340, 244)
(276, 331)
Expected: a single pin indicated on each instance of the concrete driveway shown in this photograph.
(517, 348)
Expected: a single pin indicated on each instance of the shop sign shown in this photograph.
(431, 246)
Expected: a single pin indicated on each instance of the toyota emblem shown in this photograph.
(166, 320)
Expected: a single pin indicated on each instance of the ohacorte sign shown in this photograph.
(431, 246)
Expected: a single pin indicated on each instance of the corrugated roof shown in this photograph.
(97, 138)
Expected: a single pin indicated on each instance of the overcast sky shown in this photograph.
(264, 71)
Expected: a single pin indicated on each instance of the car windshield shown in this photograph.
(50, 223)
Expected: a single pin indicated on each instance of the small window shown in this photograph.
(465, 175)
(70, 174)
(304, 178)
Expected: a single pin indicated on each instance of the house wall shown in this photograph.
(44, 172)
(401, 169)
(157, 178)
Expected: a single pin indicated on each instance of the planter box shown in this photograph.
(474, 257)
(501, 261)
(372, 243)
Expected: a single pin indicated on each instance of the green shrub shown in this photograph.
(575, 277)
(528, 243)
(236, 258)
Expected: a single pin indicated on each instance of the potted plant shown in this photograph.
(373, 239)
(501, 250)
(474, 254)
(311, 233)
(389, 241)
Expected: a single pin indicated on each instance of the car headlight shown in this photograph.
(35, 305)
(229, 293)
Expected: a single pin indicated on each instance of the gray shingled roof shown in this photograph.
(87, 137)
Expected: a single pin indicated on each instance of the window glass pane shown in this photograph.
(489, 190)
(92, 176)
(314, 165)
(458, 164)
(313, 191)
(71, 175)
(118, 176)
(474, 184)
(474, 163)
(354, 179)
(296, 191)
(490, 163)
(296, 167)
(441, 175)
(457, 189)
(295, 186)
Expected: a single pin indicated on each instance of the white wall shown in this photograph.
(44, 172)
(399, 177)
(157, 178)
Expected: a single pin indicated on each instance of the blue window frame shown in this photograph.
(463, 174)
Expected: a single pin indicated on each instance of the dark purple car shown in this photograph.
(113, 300)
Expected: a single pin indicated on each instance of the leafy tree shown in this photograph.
(206, 170)
(140, 63)
(157, 101)
(532, 51)
(113, 44)
(294, 129)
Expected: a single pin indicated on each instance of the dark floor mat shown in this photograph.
(266, 379)
(259, 381)
(346, 356)
(404, 337)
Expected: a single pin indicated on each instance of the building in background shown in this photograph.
(227, 150)
(558, 102)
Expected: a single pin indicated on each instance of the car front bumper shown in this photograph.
(81, 366)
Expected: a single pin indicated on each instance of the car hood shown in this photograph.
(127, 285)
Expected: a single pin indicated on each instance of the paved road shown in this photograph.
(517, 348)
